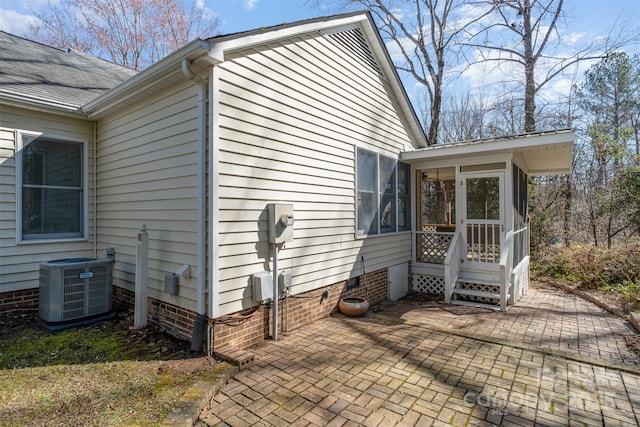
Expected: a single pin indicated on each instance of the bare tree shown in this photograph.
(523, 33)
(425, 33)
(133, 33)
(464, 118)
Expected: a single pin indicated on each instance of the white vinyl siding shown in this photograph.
(19, 263)
(147, 173)
(290, 115)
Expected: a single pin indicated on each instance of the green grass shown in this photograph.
(104, 375)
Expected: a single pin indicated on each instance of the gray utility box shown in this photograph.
(75, 291)
(280, 222)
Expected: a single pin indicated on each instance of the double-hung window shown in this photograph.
(383, 194)
(51, 188)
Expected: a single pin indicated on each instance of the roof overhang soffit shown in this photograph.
(203, 54)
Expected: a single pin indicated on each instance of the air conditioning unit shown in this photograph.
(75, 292)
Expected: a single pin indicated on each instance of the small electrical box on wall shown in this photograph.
(284, 280)
(280, 222)
(262, 286)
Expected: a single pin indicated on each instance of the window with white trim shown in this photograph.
(51, 188)
(383, 194)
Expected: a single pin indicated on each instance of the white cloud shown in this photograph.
(398, 13)
(16, 23)
(250, 4)
(395, 52)
(574, 38)
(487, 70)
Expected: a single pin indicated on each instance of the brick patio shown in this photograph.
(553, 359)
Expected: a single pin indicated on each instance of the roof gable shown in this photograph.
(354, 31)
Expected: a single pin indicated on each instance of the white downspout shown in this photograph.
(214, 195)
(95, 190)
(199, 326)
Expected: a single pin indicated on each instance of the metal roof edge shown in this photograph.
(222, 45)
(488, 144)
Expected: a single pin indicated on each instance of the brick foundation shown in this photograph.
(241, 331)
(176, 321)
(236, 331)
(19, 303)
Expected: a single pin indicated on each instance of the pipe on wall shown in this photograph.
(95, 190)
(200, 322)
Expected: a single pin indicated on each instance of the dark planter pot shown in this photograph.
(353, 306)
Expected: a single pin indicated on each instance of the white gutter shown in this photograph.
(40, 104)
(214, 192)
(148, 78)
(198, 333)
(95, 190)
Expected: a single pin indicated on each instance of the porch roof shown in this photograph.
(544, 153)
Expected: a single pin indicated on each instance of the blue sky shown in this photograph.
(240, 15)
(585, 21)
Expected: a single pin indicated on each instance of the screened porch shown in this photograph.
(471, 241)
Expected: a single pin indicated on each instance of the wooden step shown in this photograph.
(480, 279)
(475, 293)
(476, 304)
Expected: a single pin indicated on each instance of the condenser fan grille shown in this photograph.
(75, 289)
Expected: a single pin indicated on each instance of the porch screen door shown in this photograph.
(483, 219)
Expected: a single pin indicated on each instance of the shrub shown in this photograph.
(629, 292)
(593, 267)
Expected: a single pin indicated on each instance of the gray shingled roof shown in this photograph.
(36, 70)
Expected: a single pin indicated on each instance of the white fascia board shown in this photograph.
(224, 44)
(549, 171)
(40, 104)
(148, 77)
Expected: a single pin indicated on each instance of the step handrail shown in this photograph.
(452, 266)
(506, 265)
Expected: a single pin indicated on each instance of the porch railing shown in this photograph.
(483, 242)
(432, 246)
(451, 267)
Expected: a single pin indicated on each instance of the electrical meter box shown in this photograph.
(280, 222)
